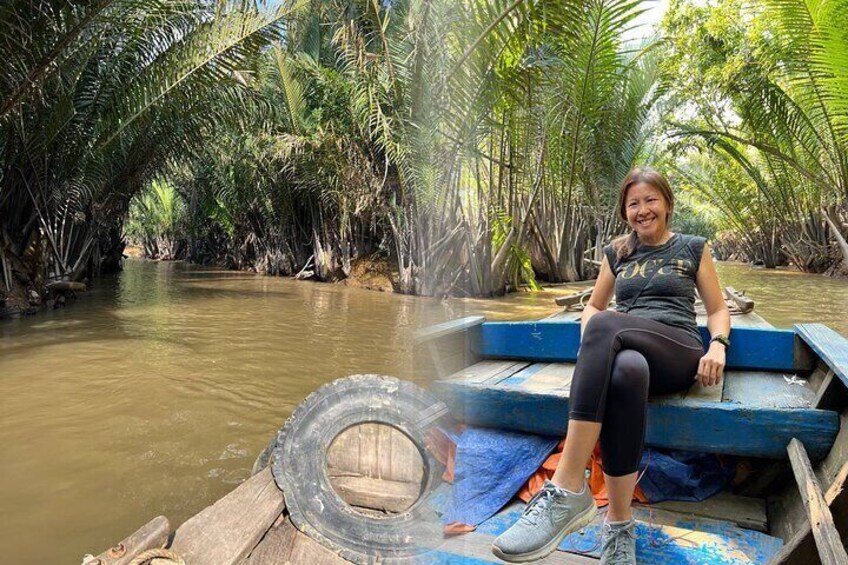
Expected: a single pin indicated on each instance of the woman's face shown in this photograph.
(647, 211)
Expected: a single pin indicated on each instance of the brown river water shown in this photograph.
(155, 391)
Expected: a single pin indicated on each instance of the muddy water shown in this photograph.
(154, 393)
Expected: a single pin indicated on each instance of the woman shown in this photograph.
(651, 344)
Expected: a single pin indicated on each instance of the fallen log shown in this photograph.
(574, 299)
(66, 285)
(741, 301)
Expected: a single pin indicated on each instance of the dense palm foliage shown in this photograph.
(476, 145)
(472, 145)
(97, 97)
(768, 83)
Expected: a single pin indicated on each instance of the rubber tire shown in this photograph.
(298, 463)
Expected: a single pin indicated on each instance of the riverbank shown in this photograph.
(369, 273)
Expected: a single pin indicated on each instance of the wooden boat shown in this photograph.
(783, 407)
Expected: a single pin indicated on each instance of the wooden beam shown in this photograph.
(376, 494)
(744, 511)
(558, 341)
(446, 328)
(687, 424)
(441, 349)
(800, 549)
(831, 394)
(152, 535)
(65, 285)
(276, 546)
(829, 345)
(742, 302)
(573, 299)
(225, 532)
(828, 541)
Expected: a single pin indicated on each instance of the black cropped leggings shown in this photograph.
(622, 358)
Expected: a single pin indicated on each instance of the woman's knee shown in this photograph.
(601, 324)
(630, 372)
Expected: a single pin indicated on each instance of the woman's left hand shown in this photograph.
(711, 366)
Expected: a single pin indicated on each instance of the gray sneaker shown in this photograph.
(618, 545)
(551, 514)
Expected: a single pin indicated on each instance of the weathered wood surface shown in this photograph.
(225, 532)
(554, 340)
(573, 299)
(834, 463)
(534, 399)
(376, 494)
(832, 394)
(153, 534)
(283, 543)
(800, 548)
(678, 537)
(307, 551)
(448, 328)
(742, 302)
(767, 390)
(473, 549)
(786, 511)
(744, 511)
(275, 546)
(487, 372)
(376, 451)
(445, 348)
(828, 541)
(829, 345)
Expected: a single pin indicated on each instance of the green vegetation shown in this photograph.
(474, 144)
(765, 86)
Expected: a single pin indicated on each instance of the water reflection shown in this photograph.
(153, 394)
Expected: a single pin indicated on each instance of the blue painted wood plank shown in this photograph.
(829, 345)
(451, 558)
(558, 341)
(681, 424)
(521, 376)
(762, 389)
(537, 341)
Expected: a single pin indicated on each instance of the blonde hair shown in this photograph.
(625, 245)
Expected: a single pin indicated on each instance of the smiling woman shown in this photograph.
(650, 344)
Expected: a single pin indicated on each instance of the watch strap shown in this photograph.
(722, 339)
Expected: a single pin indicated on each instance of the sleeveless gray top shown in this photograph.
(669, 296)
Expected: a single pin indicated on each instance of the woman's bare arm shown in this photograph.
(601, 295)
(712, 364)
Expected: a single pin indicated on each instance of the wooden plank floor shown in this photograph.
(664, 537)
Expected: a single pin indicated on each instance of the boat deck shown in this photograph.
(522, 375)
(664, 537)
(519, 378)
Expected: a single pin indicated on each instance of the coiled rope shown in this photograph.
(166, 555)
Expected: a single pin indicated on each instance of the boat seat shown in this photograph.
(753, 413)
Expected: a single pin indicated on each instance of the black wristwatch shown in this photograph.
(722, 339)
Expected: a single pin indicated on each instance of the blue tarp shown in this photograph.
(682, 475)
(491, 466)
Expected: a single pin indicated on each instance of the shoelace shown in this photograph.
(536, 505)
(617, 535)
